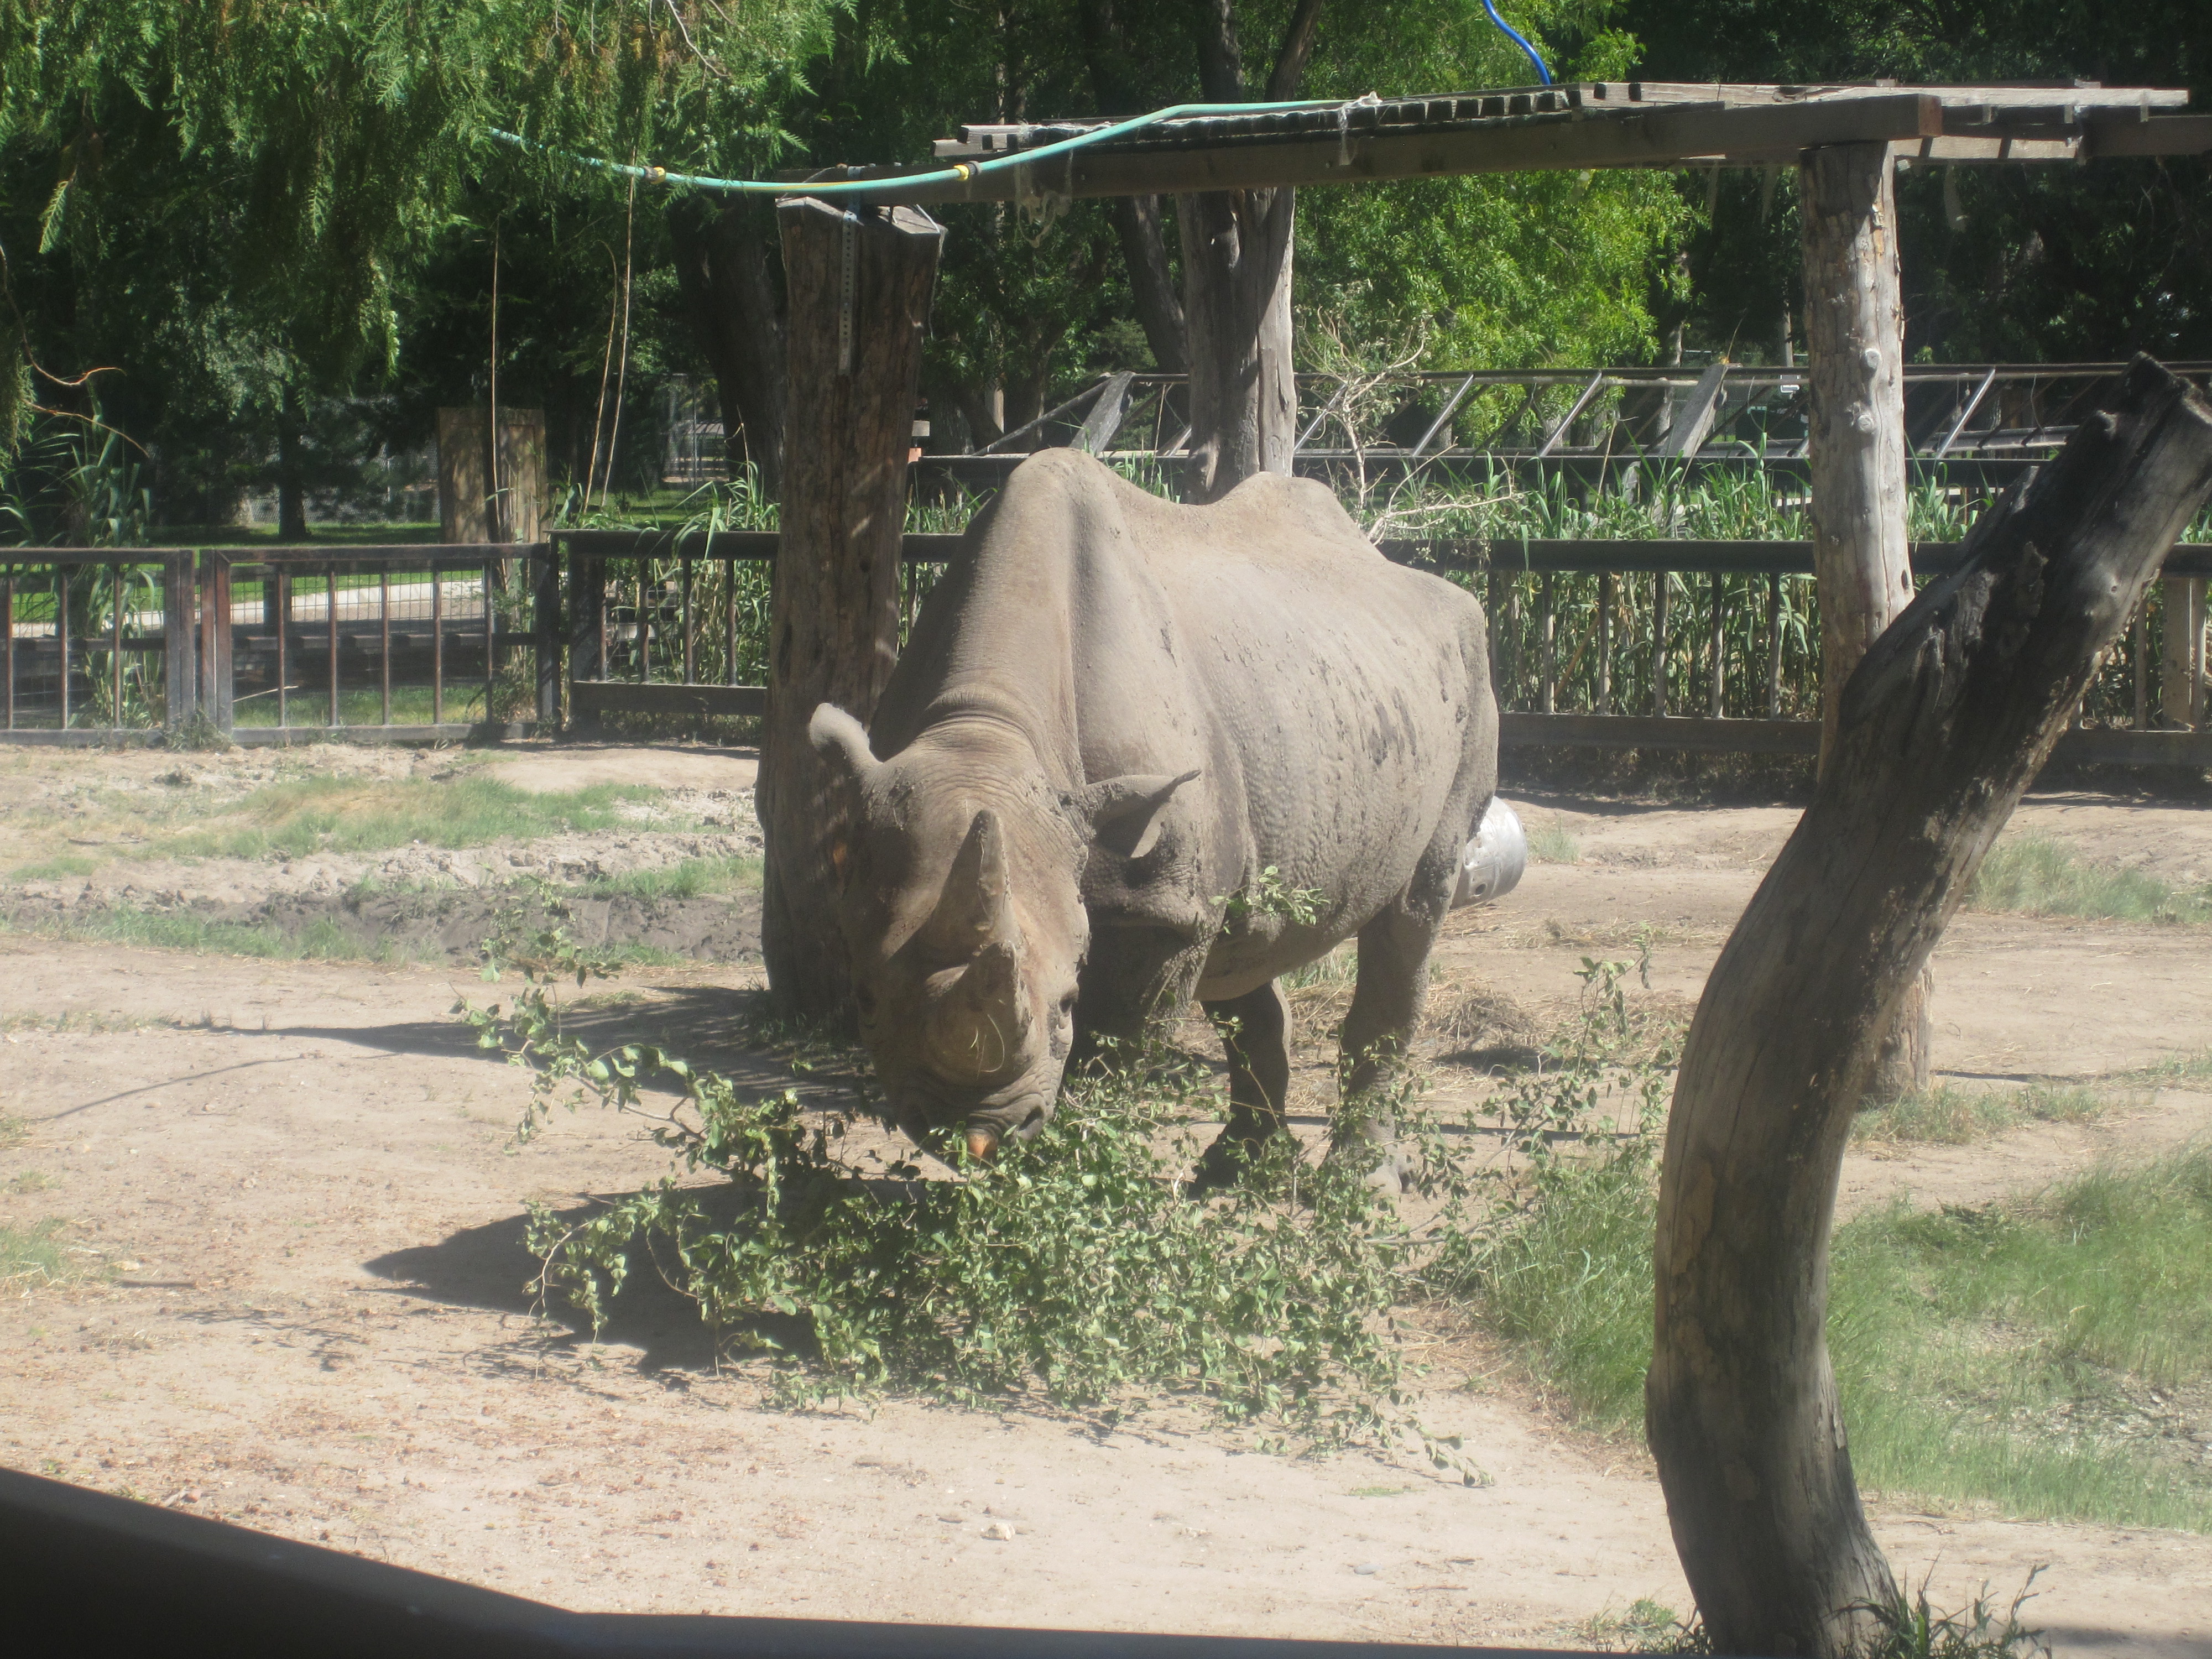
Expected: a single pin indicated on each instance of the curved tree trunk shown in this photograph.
(1947, 720)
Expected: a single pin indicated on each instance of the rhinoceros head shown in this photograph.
(963, 916)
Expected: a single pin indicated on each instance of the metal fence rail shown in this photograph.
(1982, 424)
(1700, 646)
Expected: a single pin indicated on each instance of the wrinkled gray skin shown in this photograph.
(1115, 712)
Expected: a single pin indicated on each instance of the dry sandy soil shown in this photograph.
(301, 1183)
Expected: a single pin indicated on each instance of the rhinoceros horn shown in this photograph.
(981, 1022)
(972, 911)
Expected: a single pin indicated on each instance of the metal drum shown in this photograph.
(1490, 866)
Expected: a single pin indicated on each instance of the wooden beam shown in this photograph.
(859, 286)
(1651, 135)
(1105, 418)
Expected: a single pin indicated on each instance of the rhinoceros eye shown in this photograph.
(866, 1000)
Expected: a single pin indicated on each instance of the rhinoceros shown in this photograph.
(1138, 752)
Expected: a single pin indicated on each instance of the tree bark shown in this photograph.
(1145, 251)
(291, 469)
(724, 266)
(1862, 564)
(1938, 731)
(855, 359)
(1237, 311)
(1237, 284)
(1112, 60)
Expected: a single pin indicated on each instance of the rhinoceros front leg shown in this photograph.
(1378, 1027)
(1254, 1032)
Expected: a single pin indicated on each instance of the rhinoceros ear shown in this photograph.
(972, 910)
(841, 743)
(1125, 813)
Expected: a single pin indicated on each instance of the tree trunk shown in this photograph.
(859, 286)
(1145, 250)
(291, 471)
(724, 265)
(1861, 565)
(1237, 281)
(1943, 725)
(1237, 311)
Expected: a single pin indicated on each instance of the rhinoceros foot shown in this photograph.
(1240, 1153)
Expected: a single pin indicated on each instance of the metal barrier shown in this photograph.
(675, 625)
(89, 642)
(1698, 646)
(1684, 645)
(268, 644)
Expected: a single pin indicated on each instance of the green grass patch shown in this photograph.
(692, 879)
(351, 815)
(2006, 1355)
(1550, 844)
(177, 930)
(53, 869)
(1956, 1117)
(2035, 876)
(34, 1256)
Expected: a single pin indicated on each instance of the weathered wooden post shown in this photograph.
(2182, 655)
(859, 284)
(1944, 723)
(1862, 563)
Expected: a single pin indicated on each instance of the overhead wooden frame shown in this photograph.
(1577, 127)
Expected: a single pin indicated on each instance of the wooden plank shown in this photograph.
(1693, 422)
(2164, 135)
(588, 699)
(2087, 746)
(1105, 418)
(1695, 734)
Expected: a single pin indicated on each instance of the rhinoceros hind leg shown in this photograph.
(1254, 1032)
(1386, 1006)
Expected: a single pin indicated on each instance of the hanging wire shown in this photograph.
(959, 173)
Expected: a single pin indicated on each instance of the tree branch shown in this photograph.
(1290, 71)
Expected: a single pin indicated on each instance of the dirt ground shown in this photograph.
(301, 1181)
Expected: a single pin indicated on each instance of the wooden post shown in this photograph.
(464, 485)
(860, 285)
(218, 639)
(1236, 308)
(545, 635)
(1940, 728)
(1861, 566)
(180, 673)
(2181, 658)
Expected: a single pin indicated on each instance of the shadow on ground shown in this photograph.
(491, 1267)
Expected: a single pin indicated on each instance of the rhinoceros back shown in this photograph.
(1336, 706)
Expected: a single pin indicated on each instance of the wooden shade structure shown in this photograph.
(1847, 141)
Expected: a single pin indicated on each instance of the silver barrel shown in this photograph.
(1490, 866)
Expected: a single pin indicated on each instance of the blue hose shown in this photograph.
(1519, 41)
(960, 172)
